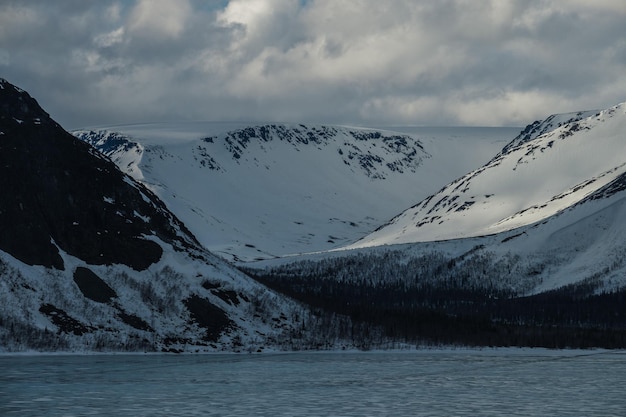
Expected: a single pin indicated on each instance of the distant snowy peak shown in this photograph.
(271, 189)
(118, 147)
(552, 166)
(540, 127)
(108, 142)
(373, 152)
(540, 136)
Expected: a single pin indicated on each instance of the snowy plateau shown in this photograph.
(251, 192)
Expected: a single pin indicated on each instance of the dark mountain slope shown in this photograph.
(92, 260)
(59, 193)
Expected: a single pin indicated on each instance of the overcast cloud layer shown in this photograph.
(365, 62)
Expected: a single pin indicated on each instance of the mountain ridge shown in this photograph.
(313, 187)
(91, 260)
(110, 267)
(531, 179)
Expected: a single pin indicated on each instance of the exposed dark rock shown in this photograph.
(406, 152)
(59, 193)
(64, 321)
(228, 296)
(92, 286)
(134, 321)
(208, 316)
(613, 187)
(206, 284)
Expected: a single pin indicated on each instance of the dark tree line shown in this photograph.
(469, 300)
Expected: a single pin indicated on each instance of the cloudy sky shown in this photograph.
(360, 62)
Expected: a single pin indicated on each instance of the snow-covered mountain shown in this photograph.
(557, 278)
(546, 212)
(90, 259)
(548, 168)
(560, 282)
(251, 192)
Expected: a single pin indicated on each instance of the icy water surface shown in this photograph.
(423, 383)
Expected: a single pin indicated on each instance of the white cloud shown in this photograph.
(160, 18)
(252, 14)
(507, 108)
(262, 23)
(479, 62)
(109, 39)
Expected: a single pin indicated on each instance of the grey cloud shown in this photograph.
(359, 62)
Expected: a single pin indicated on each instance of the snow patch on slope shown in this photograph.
(149, 310)
(528, 181)
(125, 153)
(251, 192)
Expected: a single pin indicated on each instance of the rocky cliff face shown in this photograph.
(60, 194)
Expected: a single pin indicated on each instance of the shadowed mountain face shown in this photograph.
(57, 193)
(103, 265)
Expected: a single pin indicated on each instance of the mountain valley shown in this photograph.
(91, 260)
(205, 237)
(273, 190)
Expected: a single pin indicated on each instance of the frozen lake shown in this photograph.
(523, 382)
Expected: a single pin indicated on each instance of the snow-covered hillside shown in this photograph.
(251, 192)
(488, 229)
(548, 168)
(92, 260)
(181, 303)
(559, 283)
(582, 245)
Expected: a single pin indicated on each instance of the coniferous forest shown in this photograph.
(436, 300)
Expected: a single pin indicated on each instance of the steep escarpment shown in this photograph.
(59, 194)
